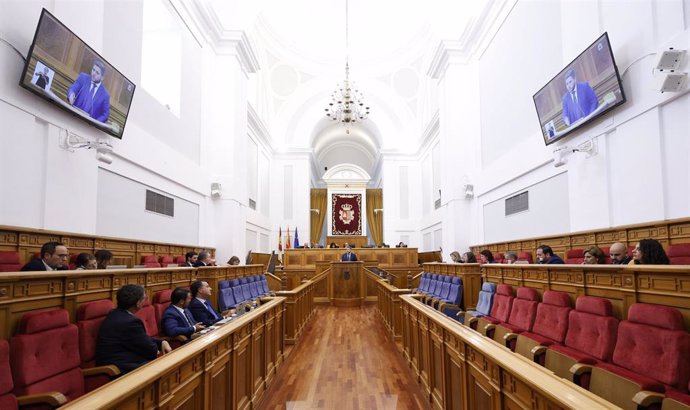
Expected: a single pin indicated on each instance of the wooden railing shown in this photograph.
(460, 369)
(471, 279)
(622, 285)
(672, 231)
(299, 307)
(128, 252)
(21, 292)
(230, 367)
(388, 304)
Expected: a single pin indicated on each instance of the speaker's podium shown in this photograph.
(347, 284)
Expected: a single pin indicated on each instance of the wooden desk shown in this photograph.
(356, 241)
(346, 284)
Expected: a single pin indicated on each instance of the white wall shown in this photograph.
(642, 145)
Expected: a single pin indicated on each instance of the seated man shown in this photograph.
(200, 307)
(54, 256)
(204, 259)
(122, 339)
(177, 321)
(619, 254)
(348, 256)
(545, 255)
(190, 258)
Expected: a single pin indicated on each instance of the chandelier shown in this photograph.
(347, 102)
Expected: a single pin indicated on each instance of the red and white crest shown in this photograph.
(346, 213)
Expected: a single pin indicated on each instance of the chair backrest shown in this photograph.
(9, 261)
(161, 301)
(223, 284)
(254, 287)
(149, 259)
(503, 302)
(591, 327)
(524, 308)
(7, 399)
(226, 299)
(165, 260)
(179, 260)
(499, 257)
(525, 256)
(435, 282)
(264, 285)
(147, 314)
(237, 291)
(44, 355)
(552, 316)
(423, 281)
(444, 290)
(455, 294)
(90, 316)
(607, 254)
(486, 298)
(653, 341)
(679, 254)
(152, 265)
(575, 256)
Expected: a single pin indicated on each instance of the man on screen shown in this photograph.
(579, 101)
(90, 95)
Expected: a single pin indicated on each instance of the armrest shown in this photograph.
(182, 339)
(53, 399)
(538, 350)
(579, 369)
(508, 337)
(417, 296)
(109, 370)
(645, 398)
(469, 321)
(489, 327)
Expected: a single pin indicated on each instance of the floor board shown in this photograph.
(345, 360)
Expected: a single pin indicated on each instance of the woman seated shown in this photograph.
(594, 256)
(486, 256)
(510, 257)
(649, 252)
(468, 257)
(85, 261)
(455, 257)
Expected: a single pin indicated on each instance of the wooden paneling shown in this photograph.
(461, 370)
(471, 276)
(223, 369)
(386, 257)
(125, 251)
(622, 285)
(299, 306)
(672, 231)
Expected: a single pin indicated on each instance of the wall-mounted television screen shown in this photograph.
(585, 89)
(64, 70)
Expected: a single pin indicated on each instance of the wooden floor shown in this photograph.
(345, 360)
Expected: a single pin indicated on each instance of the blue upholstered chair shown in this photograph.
(486, 298)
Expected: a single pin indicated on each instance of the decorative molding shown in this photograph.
(258, 130)
(223, 41)
(478, 33)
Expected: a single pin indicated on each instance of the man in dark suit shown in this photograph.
(200, 307)
(619, 254)
(204, 259)
(90, 95)
(348, 256)
(177, 321)
(122, 339)
(54, 256)
(190, 258)
(545, 255)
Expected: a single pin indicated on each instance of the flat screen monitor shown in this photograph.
(67, 72)
(585, 89)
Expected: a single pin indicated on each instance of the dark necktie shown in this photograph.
(210, 309)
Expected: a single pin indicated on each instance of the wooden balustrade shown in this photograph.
(230, 367)
(667, 232)
(471, 276)
(622, 285)
(460, 369)
(299, 306)
(388, 304)
(27, 242)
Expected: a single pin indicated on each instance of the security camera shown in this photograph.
(105, 158)
(559, 157)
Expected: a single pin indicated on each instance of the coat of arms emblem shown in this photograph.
(346, 213)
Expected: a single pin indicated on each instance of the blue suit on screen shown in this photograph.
(586, 103)
(98, 105)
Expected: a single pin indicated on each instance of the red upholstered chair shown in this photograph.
(607, 253)
(575, 256)
(521, 318)
(147, 314)
(161, 300)
(179, 260)
(499, 257)
(652, 353)
(7, 400)
(679, 254)
(9, 261)
(150, 261)
(550, 326)
(44, 355)
(591, 335)
(525, 256)
(165, 260)
(90, 316)
(500, 310)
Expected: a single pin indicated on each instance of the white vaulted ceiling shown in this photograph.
(300, 47)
